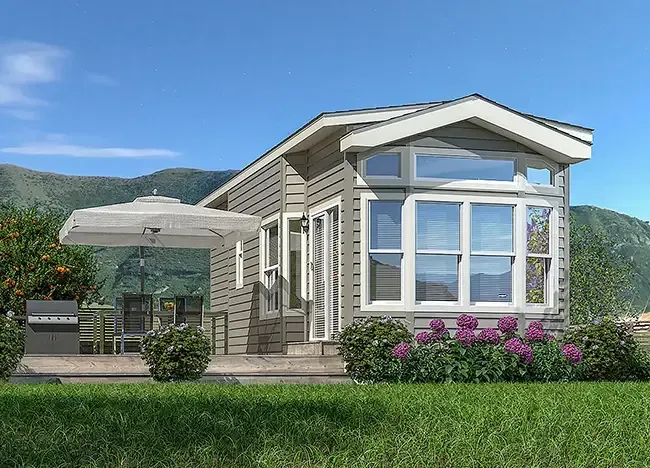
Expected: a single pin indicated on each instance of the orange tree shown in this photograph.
(33, 265)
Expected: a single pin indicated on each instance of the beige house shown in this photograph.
(417, 211)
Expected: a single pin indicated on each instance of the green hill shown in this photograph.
(632, 237)
(178, 271)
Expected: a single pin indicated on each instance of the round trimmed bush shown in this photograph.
(12, 345)
(366, 346)
(176, 353)
(610, 351)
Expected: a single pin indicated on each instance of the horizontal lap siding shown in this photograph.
(463, 135)
(326, 181)
(258, 195)
(294, 183)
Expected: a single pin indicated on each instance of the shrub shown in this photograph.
(366, 346)
(437, 357)
(610, 351)
(12, 345)
(176, 353)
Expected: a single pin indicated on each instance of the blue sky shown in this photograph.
(214, 84)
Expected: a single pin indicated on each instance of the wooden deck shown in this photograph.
(222, 369)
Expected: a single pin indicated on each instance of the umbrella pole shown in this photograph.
(141, 270)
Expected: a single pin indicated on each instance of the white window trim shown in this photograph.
(313, 213)
(408, 264)
(285, 256)
(408, 171)
(267, 223)
(239, 264)
(408, 302)
(552, 286)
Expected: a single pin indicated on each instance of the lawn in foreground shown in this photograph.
(341, 425)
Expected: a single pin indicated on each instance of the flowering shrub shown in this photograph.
(507, 324)
(176, 353)
(12, 345)
(490, 356)
(33, 265)
(609, 351)
(367, 345)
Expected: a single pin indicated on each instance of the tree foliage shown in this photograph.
(600, 278)
(34, 265)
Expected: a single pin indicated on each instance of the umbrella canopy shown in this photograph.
(157, 222)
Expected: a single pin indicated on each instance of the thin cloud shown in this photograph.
(99, 79)
(22, 66)
(76, 151)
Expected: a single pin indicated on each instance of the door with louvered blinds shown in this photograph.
(325, 275)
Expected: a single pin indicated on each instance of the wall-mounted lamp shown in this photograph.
(304, 222)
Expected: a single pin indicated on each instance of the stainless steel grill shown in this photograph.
(52, 327)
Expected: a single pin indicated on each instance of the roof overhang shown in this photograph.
(546, 137)
(315, 130)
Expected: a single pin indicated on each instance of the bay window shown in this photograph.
(538, 254)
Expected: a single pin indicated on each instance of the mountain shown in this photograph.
(180, 271)
(632, 237)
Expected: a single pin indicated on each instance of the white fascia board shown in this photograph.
(578, 132)
(572, 148)
(325, 120)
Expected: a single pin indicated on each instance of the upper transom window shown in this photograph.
(383, 165)
(432, 166)
(538, 173)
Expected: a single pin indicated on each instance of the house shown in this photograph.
(417, 211)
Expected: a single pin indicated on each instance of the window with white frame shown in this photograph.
(437, 253)
(434, 166)
(492, 253)
(269, 266)
(538, 254)
(295, 260)
(239, 264)
(385, 251)
(538, 172)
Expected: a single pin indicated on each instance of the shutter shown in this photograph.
(334, 272)
(319, 278)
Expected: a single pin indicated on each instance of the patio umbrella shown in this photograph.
(157, 221)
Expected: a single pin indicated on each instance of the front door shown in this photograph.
(325, 274)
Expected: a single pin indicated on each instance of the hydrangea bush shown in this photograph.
(12, 345)
(489, 356)
(176, 353)
(367, 347)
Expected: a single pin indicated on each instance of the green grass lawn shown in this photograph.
(427, 425)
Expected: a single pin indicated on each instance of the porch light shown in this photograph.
(304, 222)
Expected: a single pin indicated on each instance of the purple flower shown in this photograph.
(401, 351)
(489, 335)
(537, 325)
(534, 334)
(513, 345)
(467, 321)
(572, 353)
(507, 324)
(465, 336)
(526, 353)
(423, 337)
(437, 325)
(549, 337)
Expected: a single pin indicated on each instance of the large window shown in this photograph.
(269, 267)
(385, 251)
(492, 253)
(437, 251)
(431, 166)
